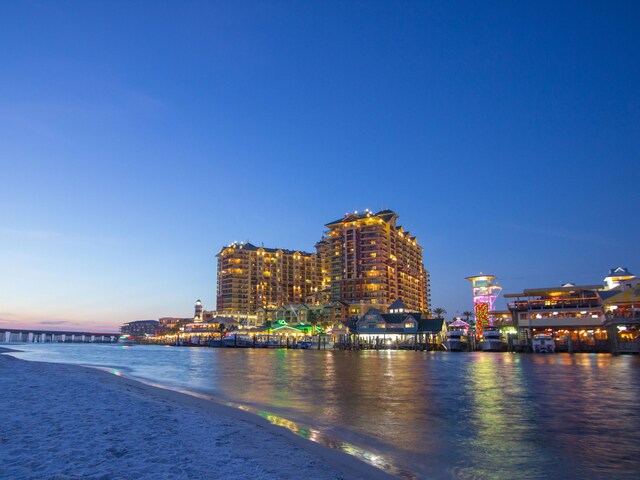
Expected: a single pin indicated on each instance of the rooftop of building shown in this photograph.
(551, 291)
(142, 322)
(398, 305)
(620, 272)
(628, 296)
(607, 294)
(480, 277)
(251, 247)
(386, 215)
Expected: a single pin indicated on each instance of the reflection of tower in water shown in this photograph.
(485, 292)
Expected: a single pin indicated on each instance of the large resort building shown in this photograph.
(251, 277)
(364, 260)
(367, 258)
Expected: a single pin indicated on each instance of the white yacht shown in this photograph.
(492, 340)
(456, 341)
(238, 340)
(543, 343)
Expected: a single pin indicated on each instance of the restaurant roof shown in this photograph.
(533, 292)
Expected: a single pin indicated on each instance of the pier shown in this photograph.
(10, 335)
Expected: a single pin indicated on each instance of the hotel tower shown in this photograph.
(251, 277)
(368, 258)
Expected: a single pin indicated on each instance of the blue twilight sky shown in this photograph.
(136, 138)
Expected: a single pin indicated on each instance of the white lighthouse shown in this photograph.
(197, 317)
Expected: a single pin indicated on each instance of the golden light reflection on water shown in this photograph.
(308, 433)
(498, 444)
(366, 456)
(331, 388)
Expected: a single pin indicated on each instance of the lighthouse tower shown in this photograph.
(197, 318)
(485, 293)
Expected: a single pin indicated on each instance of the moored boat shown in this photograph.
(269, 342)
(456, 341)
(238, 340)
(126, 340)
(543, 343)
(492, 340)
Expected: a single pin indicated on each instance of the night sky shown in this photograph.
(138, 138)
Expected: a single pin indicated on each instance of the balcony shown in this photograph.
(578, 303)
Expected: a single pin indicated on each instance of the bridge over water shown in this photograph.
(12, 335)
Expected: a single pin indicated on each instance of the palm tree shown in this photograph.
(313, 320)
(467, 315)
(439, 312)
(324, 321)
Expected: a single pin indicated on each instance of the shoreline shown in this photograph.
(301, 457)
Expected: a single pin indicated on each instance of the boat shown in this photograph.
(270, 341)
(492, 340)
(543, 343)
(238, 340)
(126, 340)
(456, 341)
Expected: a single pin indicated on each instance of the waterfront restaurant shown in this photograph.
(400, 329)
(573, 314)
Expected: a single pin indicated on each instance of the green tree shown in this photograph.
(325, 322)
(467, 315)
(313, 319)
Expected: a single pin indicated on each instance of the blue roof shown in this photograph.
(619, 271)
(397, 304)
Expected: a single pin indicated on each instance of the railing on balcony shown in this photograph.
(587, 302)
(621, 316)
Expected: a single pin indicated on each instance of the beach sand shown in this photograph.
(71, 422)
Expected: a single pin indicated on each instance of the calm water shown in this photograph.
(428, 415)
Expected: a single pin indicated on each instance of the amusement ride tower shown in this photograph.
(485, 293)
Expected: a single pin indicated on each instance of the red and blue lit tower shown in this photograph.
(485, 293)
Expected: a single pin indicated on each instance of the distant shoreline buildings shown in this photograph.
(587, 318)
(366, 278)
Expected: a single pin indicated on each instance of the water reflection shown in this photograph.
(366, 456)
(438, 415)
(495, 444)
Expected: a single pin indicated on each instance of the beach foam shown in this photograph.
(69, 422)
